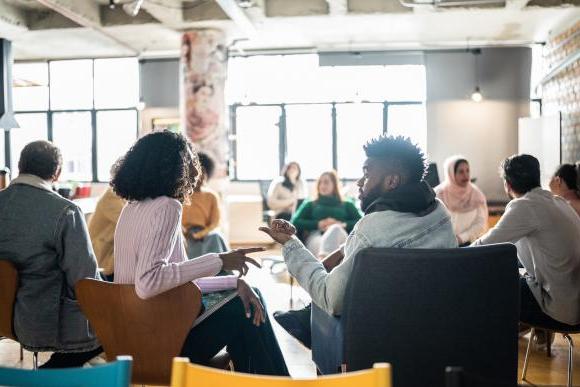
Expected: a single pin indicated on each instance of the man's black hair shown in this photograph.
(522, 172)
(400, 154)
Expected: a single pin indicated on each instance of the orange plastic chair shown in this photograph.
(185, 374)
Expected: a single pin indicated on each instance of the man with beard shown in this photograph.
(401, 211)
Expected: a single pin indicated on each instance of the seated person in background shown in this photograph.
(566, 183)
(545, 230)
(102, 230)
(466, 203)
(325, 222)
(286, 190)
(157, 174)
(201, 216)
(4, 178)
(46, 238)
(401, 210)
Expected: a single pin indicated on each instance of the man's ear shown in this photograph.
(390, 182)
(57, 174)
(508, 188)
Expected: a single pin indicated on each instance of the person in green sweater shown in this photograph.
(325, 222)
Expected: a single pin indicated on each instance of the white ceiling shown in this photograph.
(113, 33)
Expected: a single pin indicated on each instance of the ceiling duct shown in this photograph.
(7, 119)
(448, 3)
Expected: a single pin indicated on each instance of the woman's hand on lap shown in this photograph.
(251, 301)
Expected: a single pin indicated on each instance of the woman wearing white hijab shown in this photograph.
(466, 203)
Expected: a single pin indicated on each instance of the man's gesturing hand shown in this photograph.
(280, 230)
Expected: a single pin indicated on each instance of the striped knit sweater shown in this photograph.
(150, 252)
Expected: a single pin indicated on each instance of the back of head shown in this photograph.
(207, 165)
(399, 156)
(569, 173)
(521, 172)
(159, 164)
(40, 158)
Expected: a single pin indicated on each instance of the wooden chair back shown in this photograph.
(152, 331)
(8, 288)
(185, 374)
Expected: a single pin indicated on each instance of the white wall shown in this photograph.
(485, 133)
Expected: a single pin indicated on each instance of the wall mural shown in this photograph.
(202, 103)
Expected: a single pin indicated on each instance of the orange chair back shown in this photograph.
(185, 374)
(152, 331)
(8, 288)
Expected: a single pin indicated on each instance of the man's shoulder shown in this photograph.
(48, 199)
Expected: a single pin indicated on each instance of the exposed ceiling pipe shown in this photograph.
(452, 3)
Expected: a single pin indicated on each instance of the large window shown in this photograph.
(287, 107)
(85, 107)
(33, 126)
(257, 132)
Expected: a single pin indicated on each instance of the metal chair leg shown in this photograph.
(21, 353)
(291, 290)
(570, 357)
(35, 360)
(525, 368)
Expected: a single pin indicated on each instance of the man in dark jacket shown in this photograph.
(46, 238)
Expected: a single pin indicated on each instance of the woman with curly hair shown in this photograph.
(155, 177)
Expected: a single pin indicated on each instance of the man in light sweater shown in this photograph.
(400, 211)
(546, 232)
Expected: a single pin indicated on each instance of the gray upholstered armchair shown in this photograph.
(422, 310)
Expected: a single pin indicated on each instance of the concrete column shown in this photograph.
(202, 104)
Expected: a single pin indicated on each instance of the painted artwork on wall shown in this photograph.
(203, 73)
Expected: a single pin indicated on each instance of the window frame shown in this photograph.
(283, 144)
(49, 116)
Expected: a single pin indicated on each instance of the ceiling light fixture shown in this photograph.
(112, 4)
(246, 3)
(476, 96)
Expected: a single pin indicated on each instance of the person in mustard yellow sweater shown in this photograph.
(201, 217)
(102, 230)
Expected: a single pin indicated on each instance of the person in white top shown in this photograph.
(285, 191)
(466, 203)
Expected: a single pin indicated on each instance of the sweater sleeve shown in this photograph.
(302, 218)
(216, 284)
(517, 221)
(154, 273)
(326, 289)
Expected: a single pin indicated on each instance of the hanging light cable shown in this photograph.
(476, 96)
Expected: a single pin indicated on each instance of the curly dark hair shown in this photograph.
(399, 154)
(40, 158)
(159, 164)
(522, 172)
